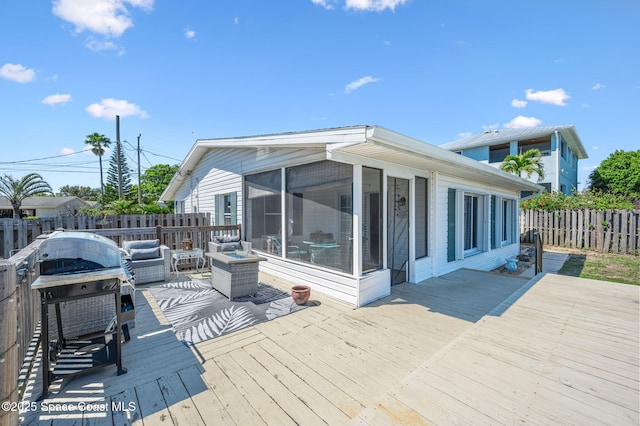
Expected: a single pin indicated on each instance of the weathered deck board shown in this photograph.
(181, 407)
(322, 384)
(207, 402)
(259, 398)
(564, 351)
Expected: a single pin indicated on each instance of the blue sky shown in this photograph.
(435, 70)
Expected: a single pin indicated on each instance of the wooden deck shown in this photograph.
(450, 350)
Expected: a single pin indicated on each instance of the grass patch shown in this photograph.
(619, 268)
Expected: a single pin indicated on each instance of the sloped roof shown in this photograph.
(497, 137)
(43, 202)
(373, 142)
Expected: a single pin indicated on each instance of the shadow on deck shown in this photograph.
(465, 294)
(320, 365)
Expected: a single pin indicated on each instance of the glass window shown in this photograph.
(226, 207)
(471, 222)
(320, 214)
(371, 219)
(263, 209)
(422, 215)
(508, 221)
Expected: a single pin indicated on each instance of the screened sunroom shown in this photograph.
(305, 213)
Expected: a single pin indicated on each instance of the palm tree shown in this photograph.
(529, 162)
(16, 190)
(98, 143)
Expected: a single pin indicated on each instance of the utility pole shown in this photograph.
(139, 181)
(118, 152)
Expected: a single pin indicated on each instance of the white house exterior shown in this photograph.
(560, 146)
(45, 206)
(352, 210)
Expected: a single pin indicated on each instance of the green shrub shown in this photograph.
(583, 200)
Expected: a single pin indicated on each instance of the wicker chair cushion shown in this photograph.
(144, 253)
(140, 244)
(226, 239)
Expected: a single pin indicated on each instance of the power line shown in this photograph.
(46, 158)
(73, 167)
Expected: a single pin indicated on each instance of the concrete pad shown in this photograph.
(552, 262)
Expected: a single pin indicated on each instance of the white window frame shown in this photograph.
(481, 224)
(224, 215)
(477, 224)
(505, 222)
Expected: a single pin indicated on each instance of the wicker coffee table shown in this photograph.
(234, 275)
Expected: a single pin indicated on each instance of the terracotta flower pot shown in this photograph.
(300, 294)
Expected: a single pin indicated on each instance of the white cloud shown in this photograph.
(57, 99)
(109, 18)
(67, 151)
(517, 103)
(109, 108)
(365, 5)
(589, 168)
(465, 134)
(374, 5)
(554, 97)
(522, 121)
(189, 33)
(236, 20)
(354, 85)
(598, 86)
(327, 4)
(18, 73)
(595, 148)
(101, 45)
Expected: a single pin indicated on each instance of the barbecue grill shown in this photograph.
(85, 282)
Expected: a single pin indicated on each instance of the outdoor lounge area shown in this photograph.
(447, 350)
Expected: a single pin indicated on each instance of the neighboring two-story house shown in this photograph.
(44, 206)
(560, 146)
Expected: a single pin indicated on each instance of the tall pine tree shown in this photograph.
(111, 188)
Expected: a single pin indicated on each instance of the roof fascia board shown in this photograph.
(574, 142)
(335, 138)
(383, 136)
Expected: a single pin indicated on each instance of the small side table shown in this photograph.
(178, 255)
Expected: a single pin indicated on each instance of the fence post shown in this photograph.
(538, 244)
(159, 233)
(9, 363)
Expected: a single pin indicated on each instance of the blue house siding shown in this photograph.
(560, 145)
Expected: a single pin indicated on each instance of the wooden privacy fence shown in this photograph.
(615, 231)
(16, 234)
(19, 317)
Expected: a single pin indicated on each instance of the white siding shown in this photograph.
(486, 260)
(220, 172)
